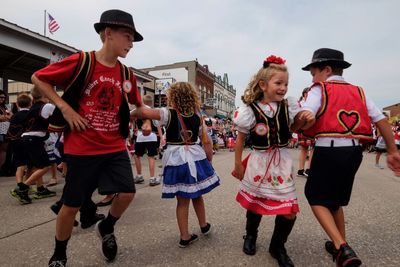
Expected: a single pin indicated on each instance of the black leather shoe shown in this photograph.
(330, 248)
(103, 204)
(346, 257)
(249, 245)
(282, 257)
(92, 221)
(56, 208)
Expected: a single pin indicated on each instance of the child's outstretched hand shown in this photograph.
(307, 118)
(303, 120)
(393, 162)
(238, 172)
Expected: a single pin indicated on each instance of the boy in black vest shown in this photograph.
(17, 126)
(98, 117)
(35, 133)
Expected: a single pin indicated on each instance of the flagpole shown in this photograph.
(44, 28)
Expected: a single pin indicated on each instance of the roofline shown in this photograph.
(394, 105)
(36, 35)
(179, 64)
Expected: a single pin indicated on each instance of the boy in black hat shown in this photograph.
(97, 115)
(343, 119)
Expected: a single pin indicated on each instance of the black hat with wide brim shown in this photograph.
(328, 56)
(117, 18)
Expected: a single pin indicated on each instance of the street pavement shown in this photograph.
(148, 235)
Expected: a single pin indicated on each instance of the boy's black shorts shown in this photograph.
(142, 147)
(110, 173)
(18, 153)
(36, 154)
(331, 176)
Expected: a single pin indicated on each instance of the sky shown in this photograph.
(235, 36)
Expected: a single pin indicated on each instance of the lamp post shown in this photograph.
(159, 97)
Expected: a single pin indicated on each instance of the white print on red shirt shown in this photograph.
(100, 106)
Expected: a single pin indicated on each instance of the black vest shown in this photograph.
(17, 125)
(34, 120)
(81, 77)
(277, 127)
(175, 133)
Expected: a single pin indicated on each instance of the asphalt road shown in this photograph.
(148, 234)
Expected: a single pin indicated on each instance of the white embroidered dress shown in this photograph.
(267, 187)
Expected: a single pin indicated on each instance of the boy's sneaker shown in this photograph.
(185, 243)
(55, 262)
(300, 173)
(109, 244)
(31, 191)
(13, 192)
(138, 179)
(155, 181)
(21, 195)
(379, 166)
(44, 193)
(306, 172)
(206, 229)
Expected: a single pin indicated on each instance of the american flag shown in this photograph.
(53, 25)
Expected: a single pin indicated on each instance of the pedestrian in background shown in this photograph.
(306, 145)
(5, 116)
(33, 138)
(149, 145)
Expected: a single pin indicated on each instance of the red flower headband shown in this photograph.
(273, 59)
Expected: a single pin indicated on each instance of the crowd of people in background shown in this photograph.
(221, 130)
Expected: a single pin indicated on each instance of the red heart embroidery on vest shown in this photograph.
(349, 119)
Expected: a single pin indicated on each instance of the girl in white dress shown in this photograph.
(267, 186)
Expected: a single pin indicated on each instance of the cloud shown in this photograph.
(233, 36)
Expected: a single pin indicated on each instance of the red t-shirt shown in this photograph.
(99, 106)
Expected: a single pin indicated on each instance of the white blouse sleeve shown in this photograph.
(373, 111)
(294, 108)
(244, 119)
(164, 114)
(313, 101)
(47, 110)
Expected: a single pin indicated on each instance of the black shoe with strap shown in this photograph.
(330, 248)
(281, 256)
(250, 244)
(346, 257)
